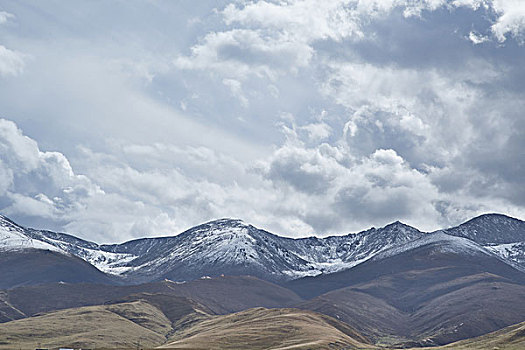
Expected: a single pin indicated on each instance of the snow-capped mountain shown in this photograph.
(232, 247)
(29, 257)
(337, 253)
(442, 243)
(499, 234)
(491, 229)
(224, 246)
(229, 246)
(16, 237)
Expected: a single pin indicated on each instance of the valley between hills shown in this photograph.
(228, 285)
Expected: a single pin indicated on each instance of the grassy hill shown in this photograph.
(275, 329)
(179, 326)
(509, 338)
(128, 324)
(119, 325)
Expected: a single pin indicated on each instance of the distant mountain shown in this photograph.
(433, 291)
(14, 237)
(490, 229)
(224, 246)
(439, 248)
(500, 234)
(232, 247)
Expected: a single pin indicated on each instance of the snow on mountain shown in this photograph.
(442, 242)
(491, 229)
(13, 237)
(337, 253)
(232, 247)
(229, 246)
(226, 246)
(499, 234)
(16, 237)
(512, 253)
(219, 247)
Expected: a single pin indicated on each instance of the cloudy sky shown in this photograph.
(124, 119)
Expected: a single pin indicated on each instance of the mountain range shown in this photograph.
(232, 247)
(393, 286)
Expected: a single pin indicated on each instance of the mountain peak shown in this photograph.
(226, 222)
(398, 225)
(491, 217)
(220, 226)
(491, 229)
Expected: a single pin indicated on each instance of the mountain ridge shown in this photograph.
(476, 219)
(231, 246)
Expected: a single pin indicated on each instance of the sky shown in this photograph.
(126, 119)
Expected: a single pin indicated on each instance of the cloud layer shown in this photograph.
(302, 117)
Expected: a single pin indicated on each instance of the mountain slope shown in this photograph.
(268, 329)
(444, 249)
(508, 338)
(436, 290)
(121, 325)
(219, 295)
(140, 323)
(501, 234)
(491, 229)
(37, 266)
(14, 237)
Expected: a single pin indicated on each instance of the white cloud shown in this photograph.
(477, 38)
(352, 191)
(240, 53)
(5, 16)
(511, 18)
(317, 131)
(11, 62)
(116, 200)
(235, 87)
(303, 21)
(425, 109)
(38, 183)
(6, 178)
(331, 189)
(277, 36)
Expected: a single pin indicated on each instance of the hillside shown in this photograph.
(219, 295)
(509, 338)
(433, 294)
(37, 266)
(260, 328)
(120, 325)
